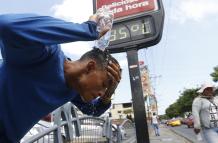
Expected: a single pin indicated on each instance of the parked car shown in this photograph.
(174, 122)
(36, 129)
(167, 122)
(184, 121)
(43, 124)
(122, 130)
(163, 121)
(190, 122)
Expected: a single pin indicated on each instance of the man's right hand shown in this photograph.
(197, 130)
(96, 19)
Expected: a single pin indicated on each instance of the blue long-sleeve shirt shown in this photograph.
(32, 80)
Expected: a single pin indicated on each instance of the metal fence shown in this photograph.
(68, 127)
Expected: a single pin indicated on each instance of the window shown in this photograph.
(127, 105)
(119, 111)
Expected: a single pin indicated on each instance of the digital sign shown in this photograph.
(132, 30)
(137, 24)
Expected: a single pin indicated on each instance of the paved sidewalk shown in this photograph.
(166, 136)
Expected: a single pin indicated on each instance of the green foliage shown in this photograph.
(172, 110)
(214, 75)
(183, 104)
(163, 117)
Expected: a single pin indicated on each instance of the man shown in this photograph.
(205, 113)
(36, 77)
(154, 121)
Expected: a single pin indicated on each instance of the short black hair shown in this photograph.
(101, 57)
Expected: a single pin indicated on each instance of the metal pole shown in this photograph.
(137, 97)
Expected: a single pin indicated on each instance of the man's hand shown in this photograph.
(114, 73)
(96, 19)
(197, 130)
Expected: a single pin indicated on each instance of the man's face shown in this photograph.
(93, 85)
(208, 91)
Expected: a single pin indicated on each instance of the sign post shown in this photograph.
(138, 24)
(137, 97)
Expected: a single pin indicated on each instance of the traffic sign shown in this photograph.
(138, 23)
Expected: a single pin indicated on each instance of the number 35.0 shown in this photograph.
(120, 33)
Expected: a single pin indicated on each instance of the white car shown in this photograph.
(36, 129)
(122, 130)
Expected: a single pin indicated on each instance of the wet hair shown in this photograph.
(102, 58)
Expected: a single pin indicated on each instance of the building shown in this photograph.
(148, 93)
(146, 84)
(121, 110)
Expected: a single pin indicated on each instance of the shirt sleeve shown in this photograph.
(196, 107)
(95, 108)
(26, 29)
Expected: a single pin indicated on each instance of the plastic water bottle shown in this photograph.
(106, 20)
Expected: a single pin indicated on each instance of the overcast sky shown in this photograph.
(183, 59)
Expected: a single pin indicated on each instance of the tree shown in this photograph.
(183, 104)
(172, 110)
(185, 101)
(214, 75)
(163, 117)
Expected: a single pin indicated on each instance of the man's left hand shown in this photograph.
(114, 73)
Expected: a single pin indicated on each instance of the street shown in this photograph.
(186, 132)
(180, 134)
(166, 136)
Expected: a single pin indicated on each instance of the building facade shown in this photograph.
(121, 110)
(148, 93)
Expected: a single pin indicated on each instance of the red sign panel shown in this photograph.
(123, 8)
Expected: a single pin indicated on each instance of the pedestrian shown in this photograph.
(205, 113)
(36, 76)
(154, 121)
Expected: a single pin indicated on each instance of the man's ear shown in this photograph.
(91, 66)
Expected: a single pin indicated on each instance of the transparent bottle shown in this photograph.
(105, 21)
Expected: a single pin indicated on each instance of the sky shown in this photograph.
(184, 58)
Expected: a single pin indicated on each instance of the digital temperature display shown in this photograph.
(137, 23)
(132, 30)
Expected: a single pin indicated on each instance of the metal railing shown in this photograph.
(68, 127)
